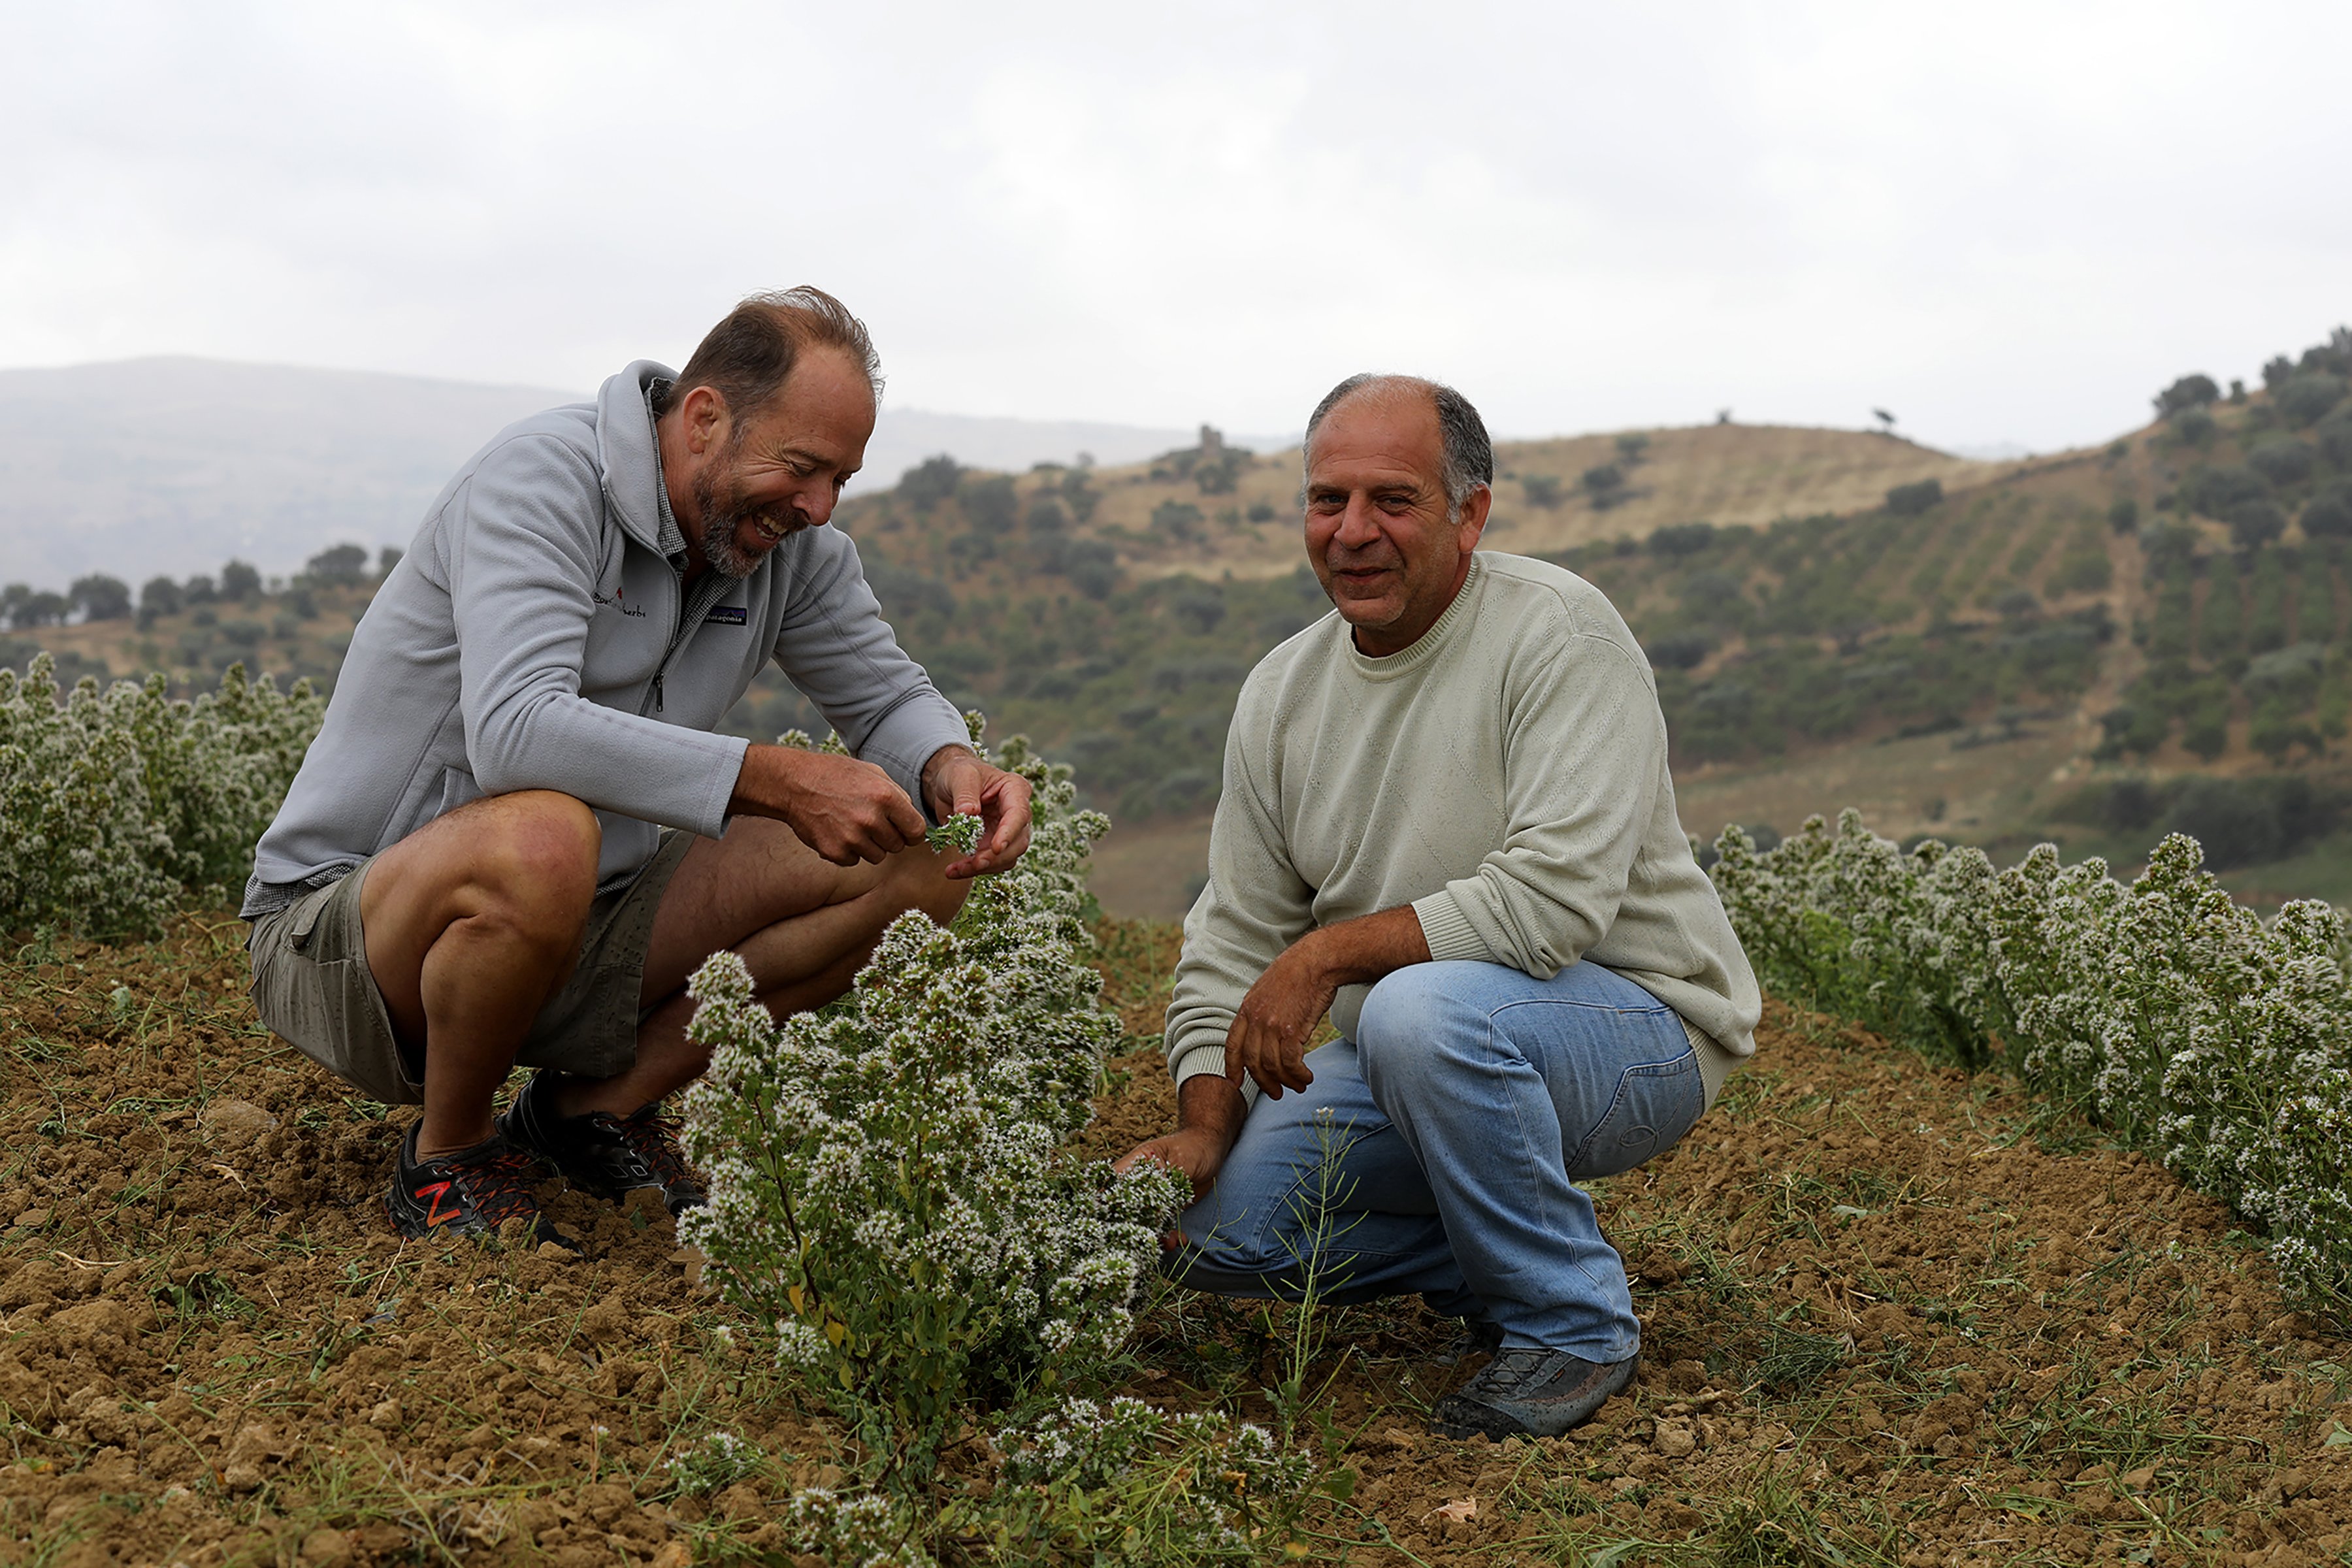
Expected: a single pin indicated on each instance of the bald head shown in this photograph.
(1469, 454)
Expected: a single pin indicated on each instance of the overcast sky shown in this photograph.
(2005, 224)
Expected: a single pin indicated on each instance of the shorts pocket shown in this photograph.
(312, 989)
(1655, 1104)
(302, 921)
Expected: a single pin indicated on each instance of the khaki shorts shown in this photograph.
(313, 988)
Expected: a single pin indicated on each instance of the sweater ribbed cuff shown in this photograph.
(1208, 1061)
(1715, 1063)
(1447, 930)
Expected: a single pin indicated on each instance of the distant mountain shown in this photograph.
(152, 466)
(172, 465)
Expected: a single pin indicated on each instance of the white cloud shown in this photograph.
(2006, 222)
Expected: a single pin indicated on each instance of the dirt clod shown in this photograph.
(234, 1125)
(326, 1548)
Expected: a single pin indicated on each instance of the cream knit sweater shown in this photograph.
(1506, 776)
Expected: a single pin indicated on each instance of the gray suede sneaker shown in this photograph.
(1530, 1394)
(1476, 1337)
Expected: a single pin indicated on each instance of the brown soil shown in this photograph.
(1890, 1317)
(1889, 1314)
(213, 1349)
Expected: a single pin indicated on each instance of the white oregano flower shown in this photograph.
(888, 1191)
(2173, 1016)
(119, 807)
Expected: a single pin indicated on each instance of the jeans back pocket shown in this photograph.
(1655, 1104)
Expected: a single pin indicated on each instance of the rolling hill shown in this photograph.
(2095, 646)
(174, 465)
(1726, 473)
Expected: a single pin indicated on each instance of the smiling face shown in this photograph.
(739, 486)
(1377, 533)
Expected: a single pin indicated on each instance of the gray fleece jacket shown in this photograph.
(539, 635)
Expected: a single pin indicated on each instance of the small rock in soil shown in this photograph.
(326, 1548)
(94, 1318)
(235, 1123)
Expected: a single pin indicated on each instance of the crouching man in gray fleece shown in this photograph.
(1447, 820)
(516, 836)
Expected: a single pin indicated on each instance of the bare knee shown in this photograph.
(531, 864)
(945, 901)
(915, 883)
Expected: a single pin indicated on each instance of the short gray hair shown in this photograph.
(1469, 451)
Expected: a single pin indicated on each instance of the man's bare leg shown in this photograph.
(472, 921)
(803, 925)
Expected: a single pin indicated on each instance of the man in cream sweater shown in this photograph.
(1447, 821)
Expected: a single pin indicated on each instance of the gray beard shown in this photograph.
(718, 546)
(722, 519)
(719, 526)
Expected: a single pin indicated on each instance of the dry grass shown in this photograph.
(1723, 473)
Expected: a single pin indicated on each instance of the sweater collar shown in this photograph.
(1426, 647)
(628, 458)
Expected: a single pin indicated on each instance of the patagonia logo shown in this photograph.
(726, 615)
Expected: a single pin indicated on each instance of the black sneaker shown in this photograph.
(610, 1156)
(1531, 1394)
(469, 1193)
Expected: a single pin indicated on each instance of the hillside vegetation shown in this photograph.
(170, 464)
(1991, 652)
(1214, 509)
(2096, 646)
(1114, 612)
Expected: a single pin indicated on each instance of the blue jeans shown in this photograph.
(1439, 1151)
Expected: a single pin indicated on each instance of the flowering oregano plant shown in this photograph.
(117, 805)
(1120, 1482)
(890, 1198)
(1102, 1484)
(2166, 1011)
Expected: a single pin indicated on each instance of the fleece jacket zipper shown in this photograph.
(706, 592)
